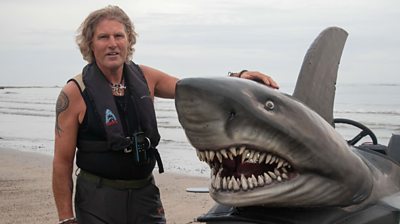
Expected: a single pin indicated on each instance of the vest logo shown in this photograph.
(110, 118)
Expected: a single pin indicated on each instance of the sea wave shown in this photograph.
(27, 113)
(169, 126)
(376, 112)
(27, 108)
(10, 92)
(13, 101)
(165, 109)
(374, 126)
(166, 117)
(366, 84)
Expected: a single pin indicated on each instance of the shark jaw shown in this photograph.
(243, 168)
(246, 176)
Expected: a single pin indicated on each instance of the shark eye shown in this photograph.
(269, 105)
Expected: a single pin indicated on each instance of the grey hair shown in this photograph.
(87, 29)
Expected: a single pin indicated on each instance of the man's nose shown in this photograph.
(112, 42)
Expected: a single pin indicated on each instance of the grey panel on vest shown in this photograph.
(78, 78)
(316, 82)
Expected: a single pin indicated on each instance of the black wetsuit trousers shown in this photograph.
(99, 204)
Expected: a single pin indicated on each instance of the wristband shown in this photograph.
(236, 74)
(68, 221)
(241, 73)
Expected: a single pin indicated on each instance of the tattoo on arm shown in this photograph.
(61, 105)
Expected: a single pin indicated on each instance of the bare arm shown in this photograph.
(163, 85)
(160, 83)
(68, 110)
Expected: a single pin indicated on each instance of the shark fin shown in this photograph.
(316, 83)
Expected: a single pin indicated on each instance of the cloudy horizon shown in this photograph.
(204, 37)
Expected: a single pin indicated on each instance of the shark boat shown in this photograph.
(277, 158)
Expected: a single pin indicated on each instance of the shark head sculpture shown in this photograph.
(276, 158)
(267, 148)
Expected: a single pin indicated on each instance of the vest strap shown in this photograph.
(159, 161)
(101, 146)
(118, 184)
(100, 94)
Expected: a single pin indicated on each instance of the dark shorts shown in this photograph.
(99, 204)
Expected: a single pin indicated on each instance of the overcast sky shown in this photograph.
(189, 38)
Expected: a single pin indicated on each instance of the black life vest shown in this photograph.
(100, 95)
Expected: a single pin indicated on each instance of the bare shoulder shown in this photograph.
(152, 75)
(70, 101)
(160, 83)
(70, 109)
(71, 93)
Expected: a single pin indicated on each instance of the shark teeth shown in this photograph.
(250, 156)
(232, 183)
(279, 170)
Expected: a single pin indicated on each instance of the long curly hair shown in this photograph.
(86, 30)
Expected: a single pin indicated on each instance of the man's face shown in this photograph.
(110, 44)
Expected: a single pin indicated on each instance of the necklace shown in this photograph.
(118, 88)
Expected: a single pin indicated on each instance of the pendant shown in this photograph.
(118, 89)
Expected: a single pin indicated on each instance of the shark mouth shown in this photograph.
(241, 168)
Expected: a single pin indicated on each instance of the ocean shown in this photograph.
(27, 116)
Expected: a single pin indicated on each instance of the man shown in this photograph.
(108, 114)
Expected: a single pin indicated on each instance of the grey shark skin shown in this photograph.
(267, 148)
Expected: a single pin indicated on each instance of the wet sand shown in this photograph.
(26, 195)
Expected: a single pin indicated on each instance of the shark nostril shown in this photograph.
(232, 115)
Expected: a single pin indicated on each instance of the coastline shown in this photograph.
(26, 195)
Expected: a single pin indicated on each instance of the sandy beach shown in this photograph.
(26, 195)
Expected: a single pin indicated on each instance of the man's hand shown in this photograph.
(256, 76)
(260, 77)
